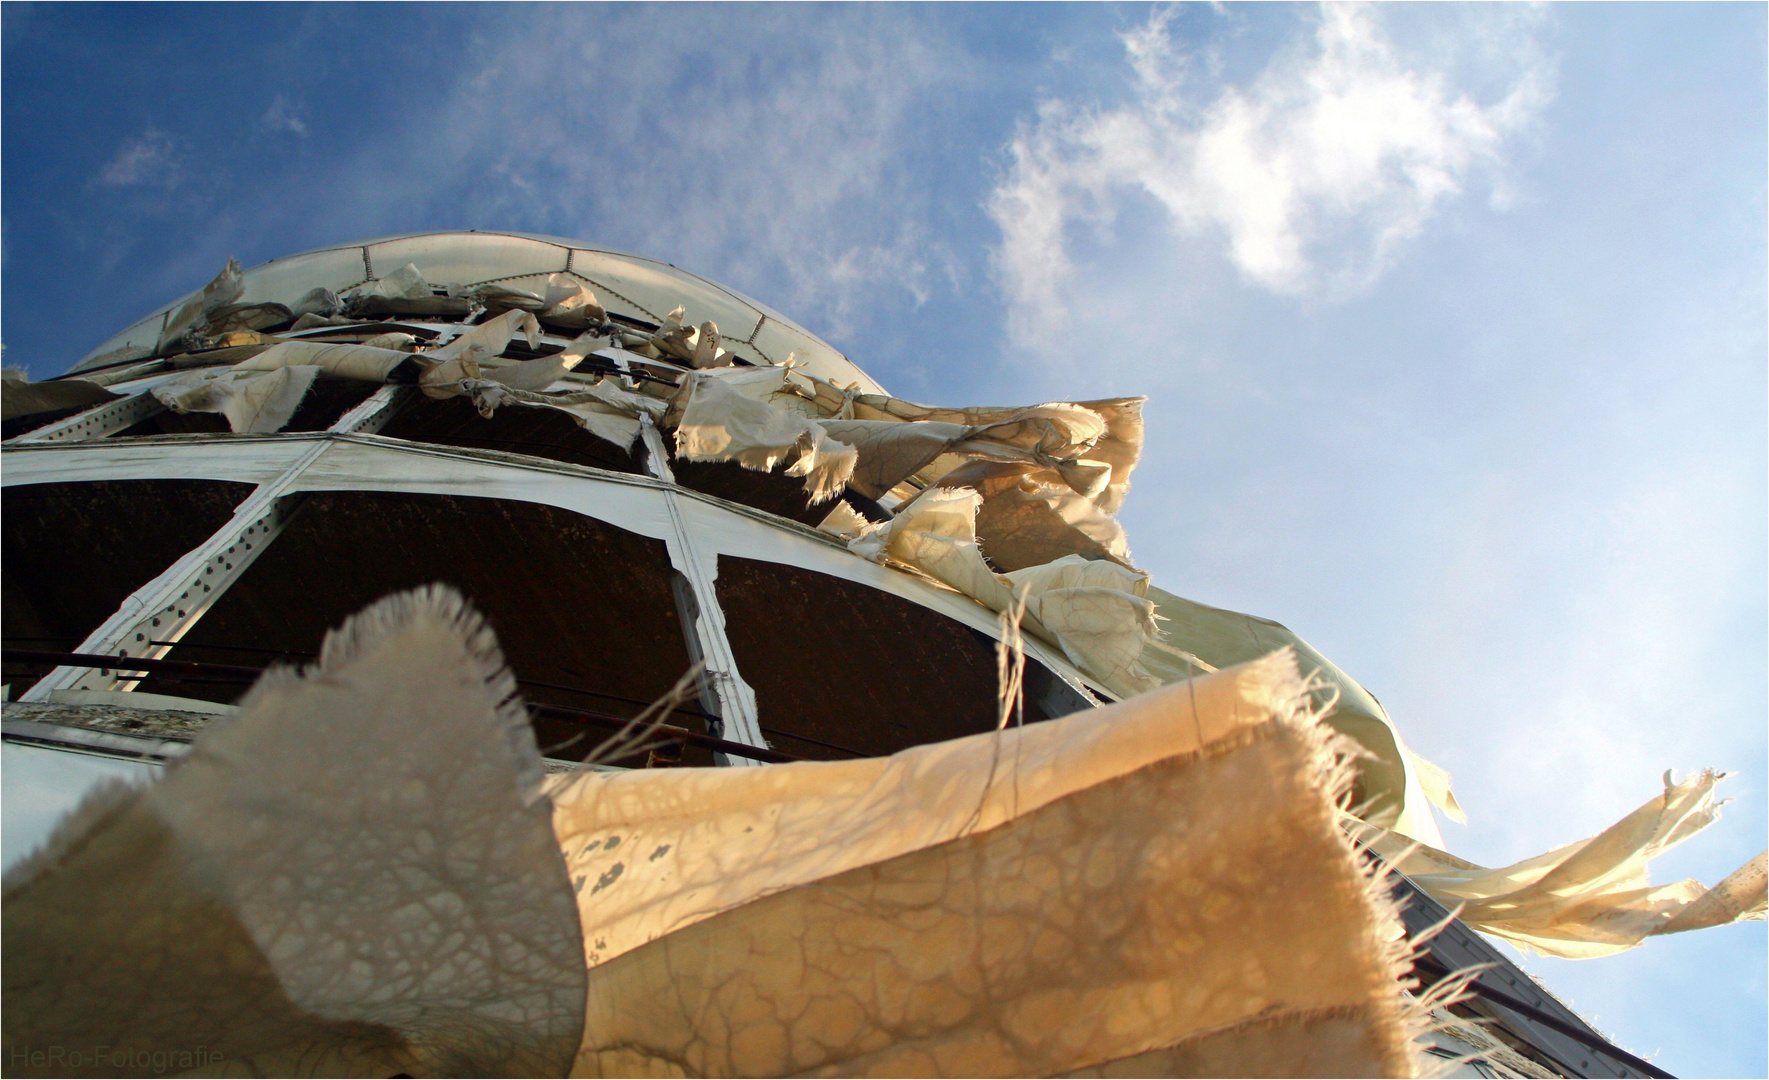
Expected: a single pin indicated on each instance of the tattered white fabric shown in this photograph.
(1594, 897)
(261, 393)
(356, 876)
(1031, 515)
(1108, 433)
(254, 402)
(696, 346)
(1095, 611)
(1095, 893)
(603, 408)
(365, 362)
(569, 302)
(720, 421)
(1196, 638)
(19, 396)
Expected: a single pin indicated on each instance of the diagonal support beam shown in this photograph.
(166, 608)
(96, 423)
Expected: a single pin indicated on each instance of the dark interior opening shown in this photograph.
(843, 670)
(583, 610)
(74, 551)
(29, 422)
(774, 491)
(167, 422)
(543, 433)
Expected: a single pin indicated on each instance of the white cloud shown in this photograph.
(146, 159)
(1312, 176)
(284, 115)
(766, 148)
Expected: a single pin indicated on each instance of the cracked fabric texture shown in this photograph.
(1093, 893)
(355, 876)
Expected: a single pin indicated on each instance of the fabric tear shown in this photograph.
(720, 422)
(254, 402)
(1095, 611)
(19, 396)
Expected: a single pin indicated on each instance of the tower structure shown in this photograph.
(224, 480)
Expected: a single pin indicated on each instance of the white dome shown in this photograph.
(629, 286)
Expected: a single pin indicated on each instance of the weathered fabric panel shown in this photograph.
(354, 877)
(1078, 895)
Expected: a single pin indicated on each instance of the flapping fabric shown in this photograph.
(1155, 881)
(1591, 898)
(1197, 638)
(356, 876)
(1094, 610)
(253, 402)
(720, 421)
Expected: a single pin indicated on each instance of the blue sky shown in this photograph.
(1452, 318)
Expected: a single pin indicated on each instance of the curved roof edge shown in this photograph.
(628, 285)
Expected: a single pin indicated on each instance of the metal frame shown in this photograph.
(695, 528)
(156, 616)
(97, 422)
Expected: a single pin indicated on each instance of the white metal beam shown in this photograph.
(96, 423)
(703, 621)
(156, 616)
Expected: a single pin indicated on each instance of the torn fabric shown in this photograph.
(1071, 895)
(405, 283)
(1095, 611)
(19, 396)
(1108, 432)
(368, 363)
(720, 422)
(1196, 638)
(603, 408)
(355, 876)
(254, 402)
(569, 302)
(695, 346)
(1594, 897)
(1031, 515)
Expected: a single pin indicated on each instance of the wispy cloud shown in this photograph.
(285, 115)
(781, 170)
(1311, 177)
(148, 158)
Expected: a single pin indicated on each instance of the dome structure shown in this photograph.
(632, 289)
(633, 473)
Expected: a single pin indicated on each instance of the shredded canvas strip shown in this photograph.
(356, 876)
(253, 402)
(1093, 893)
(1094, 611)
(1594, 897)
(720, 422)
